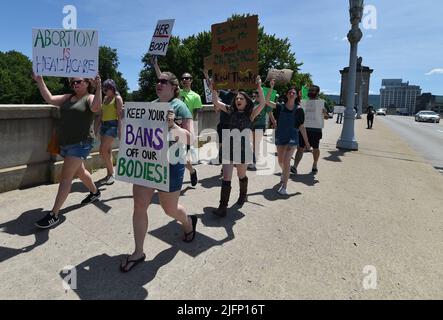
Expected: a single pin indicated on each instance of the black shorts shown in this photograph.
(220, 128)
(314, 138)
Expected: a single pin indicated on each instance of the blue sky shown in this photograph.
(407, 43)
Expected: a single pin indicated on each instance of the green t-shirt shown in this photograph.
(260, 120)
(191, 99)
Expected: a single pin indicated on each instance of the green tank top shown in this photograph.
(76, 120)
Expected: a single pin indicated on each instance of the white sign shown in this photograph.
(208, 92)
(65, 53)
(314, 113)
(162, 35)
(284, 75)
(143, 154)
(339, 109)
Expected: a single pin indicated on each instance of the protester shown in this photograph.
(110, 126)
(314, 136)
(290, 121)
(241, 113)
(75, 136)
(193, 102)
(168, 90)
(258, 130)
(370, 117)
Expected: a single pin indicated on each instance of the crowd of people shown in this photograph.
(240, 113)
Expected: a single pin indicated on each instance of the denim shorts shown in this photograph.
(176, 176)
(80, 150)
(109, 129)
(287, 137)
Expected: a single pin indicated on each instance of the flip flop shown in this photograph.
(135, 262)
(192, 233)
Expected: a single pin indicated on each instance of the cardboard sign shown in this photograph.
(314, 113)
(143, 154)
(208, 92)
(65, 53)
(339, 109)
(162, 35)
(235, 54)
(283, 76)
(208, 62)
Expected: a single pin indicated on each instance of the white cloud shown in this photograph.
(344, 39)
(435, 71)
(369, 36)
(331, 92)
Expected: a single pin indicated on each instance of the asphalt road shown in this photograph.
(424, 138)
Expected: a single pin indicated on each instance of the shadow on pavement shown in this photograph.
(272, 194)
(99, 278)
(306, 179)
(335, 155)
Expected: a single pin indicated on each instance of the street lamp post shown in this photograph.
(347, 140)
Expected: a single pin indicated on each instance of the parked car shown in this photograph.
(381, 112)
(427, 116)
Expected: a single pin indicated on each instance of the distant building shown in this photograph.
(427, 101)
(398, 97)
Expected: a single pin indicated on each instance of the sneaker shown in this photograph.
(282, 191)
(293, 170)
(109, 180)
(48, 221)
(92, 197)
(314, 170)
(194, 179)
(251, 167)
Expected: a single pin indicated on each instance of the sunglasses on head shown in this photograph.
(163, 81)
(187, 78)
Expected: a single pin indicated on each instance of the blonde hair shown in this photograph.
(172, 78)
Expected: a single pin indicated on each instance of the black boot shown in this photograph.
(243, 191)
(224, 199)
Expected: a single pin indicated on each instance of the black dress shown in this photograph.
(240, 144)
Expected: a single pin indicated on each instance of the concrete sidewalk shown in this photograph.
(381, 206)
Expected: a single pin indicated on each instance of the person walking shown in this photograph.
(75, 134)
(314, 136)
(290, 121)
(168, 91)
(370, 117)
(110, 129)
(241, 114)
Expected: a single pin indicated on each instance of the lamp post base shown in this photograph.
(350, 145)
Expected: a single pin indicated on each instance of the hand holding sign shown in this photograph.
(171, 119)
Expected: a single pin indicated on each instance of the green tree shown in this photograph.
(187, 55)
(108, 69)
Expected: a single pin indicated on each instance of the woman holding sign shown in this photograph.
(75, 136)
(168, 90)
(241, 115)
(110, 126)
(290, 120)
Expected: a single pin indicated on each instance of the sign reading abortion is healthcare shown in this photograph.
(65, 53)
(143, 154)
(162, 35)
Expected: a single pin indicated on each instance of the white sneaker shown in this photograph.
(282, 191)
(109, 181)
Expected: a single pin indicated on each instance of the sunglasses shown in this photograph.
(187, 78)
(162, 81)
(76, 82)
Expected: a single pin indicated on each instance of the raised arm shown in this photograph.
(262, 103)
(96, 101)
(154, 62)
(47, 95)
(219, 105)
(270, 103)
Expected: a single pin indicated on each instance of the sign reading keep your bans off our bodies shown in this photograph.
(143, 155)
(235, 54)
(65, 53)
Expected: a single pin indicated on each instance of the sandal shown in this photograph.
(192, 233)
(123, 268)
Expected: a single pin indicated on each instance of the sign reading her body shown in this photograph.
(65, 53)
(143, 154)
(162, 35)
(235, 54)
